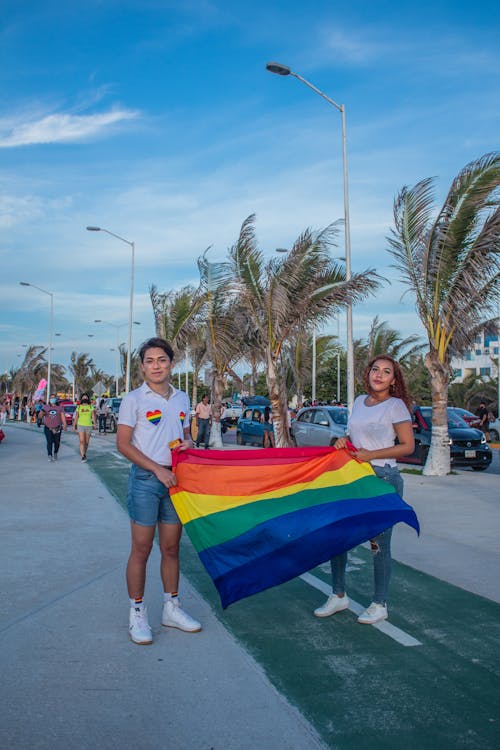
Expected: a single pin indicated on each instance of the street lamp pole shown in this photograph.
(49, 356)
(284, 70)
(131, 303)
(117, 326)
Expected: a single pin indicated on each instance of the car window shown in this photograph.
(256, 416)
(321, 418)
(339, 416)
(305, 416)
(247, 414)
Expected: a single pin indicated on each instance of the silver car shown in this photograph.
(319, 425)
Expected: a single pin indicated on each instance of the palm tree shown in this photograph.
(286, 295)
(82, 368)
(225, 324)
(451, 264)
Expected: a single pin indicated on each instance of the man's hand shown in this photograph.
(186, 443)
(165, 476)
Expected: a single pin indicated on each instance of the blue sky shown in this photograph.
(158, 121)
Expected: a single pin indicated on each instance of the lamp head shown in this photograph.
(94, 229)
(281, 250)
(278, 68)
(25, 283)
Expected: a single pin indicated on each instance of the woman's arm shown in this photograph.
(404, 447)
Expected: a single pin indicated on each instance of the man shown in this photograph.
(152, 417)
(203, 414)
(484, 420)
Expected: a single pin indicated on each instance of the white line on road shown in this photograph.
(405, 639)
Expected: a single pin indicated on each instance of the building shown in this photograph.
(481, 360)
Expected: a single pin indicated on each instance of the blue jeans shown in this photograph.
(203, 432)
(381, 547)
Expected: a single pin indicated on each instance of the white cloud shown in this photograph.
(61, 128)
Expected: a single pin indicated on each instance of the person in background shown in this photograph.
(83, 423)
(203, 414)
(267, 421)
(153, 419)
(102, 413)
(378, 418)
(3, 413)
(484, 420)
(54, 422)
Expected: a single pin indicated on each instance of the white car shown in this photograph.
(231, 413)
(495, 430)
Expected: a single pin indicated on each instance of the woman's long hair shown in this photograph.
(399, 389)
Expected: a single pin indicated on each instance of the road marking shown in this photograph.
(405, 639)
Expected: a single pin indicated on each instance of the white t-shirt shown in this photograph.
(156, 420)
(372, 427)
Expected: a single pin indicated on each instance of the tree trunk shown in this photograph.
(277, 396)
(438, 460)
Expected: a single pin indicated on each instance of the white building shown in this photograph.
(479, 360)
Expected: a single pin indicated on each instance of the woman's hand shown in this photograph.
(341, 443)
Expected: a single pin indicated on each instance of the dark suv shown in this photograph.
(468, 446)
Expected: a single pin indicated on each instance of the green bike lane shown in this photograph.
(354, 683)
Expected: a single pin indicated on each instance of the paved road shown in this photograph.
(430, 678)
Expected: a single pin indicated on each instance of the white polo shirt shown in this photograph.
(156, 421)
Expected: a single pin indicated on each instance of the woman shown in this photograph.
(53, 423)
(83, 423)
(267, 421)
(378, 418)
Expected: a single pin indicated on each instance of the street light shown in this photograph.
(284, 70)
(131, 305)
(117, 355)
(49, 357)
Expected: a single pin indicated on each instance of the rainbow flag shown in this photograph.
(260, 518)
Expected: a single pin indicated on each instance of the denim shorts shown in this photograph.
(148, 500)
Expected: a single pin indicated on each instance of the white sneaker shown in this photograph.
(175, 617)
(332, 605)
(374, 613)
(138, 628)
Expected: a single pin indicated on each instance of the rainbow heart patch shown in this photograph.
(154, 416)
(182, 416)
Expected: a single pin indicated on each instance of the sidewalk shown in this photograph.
(71, 677)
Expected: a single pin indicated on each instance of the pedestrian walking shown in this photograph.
(153, 419)
(484, 420)
(203, 414)
(54, 422)
(378, 418)
(102, 415)
(3, 414)
(83, 423)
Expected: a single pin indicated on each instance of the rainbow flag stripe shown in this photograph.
(260, 518)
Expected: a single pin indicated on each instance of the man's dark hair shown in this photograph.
(156, 343)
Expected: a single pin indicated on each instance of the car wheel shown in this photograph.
(494, 435)
(112, 424)
(479, 468)
(294, 442)
(239, 439)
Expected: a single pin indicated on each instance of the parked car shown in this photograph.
(113, 406)
(319, 425)
(495, 430)
(69, 413)
(230, 414)
(468, 446)
(250, 427)
(471, 419)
